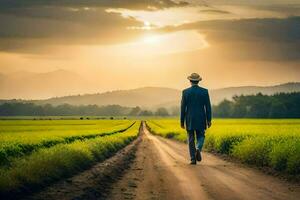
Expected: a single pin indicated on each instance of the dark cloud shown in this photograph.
(276, 7)
(55, 22)
(130, 4)
(248, 2)
(58, 26)
(34, 24)
(251, 39)
(214, 11)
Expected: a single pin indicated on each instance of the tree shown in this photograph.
(282, 105)
(146, 113)
(278, 110)
(224, 109)
(162, 112)
(30, 109)
(135, 111)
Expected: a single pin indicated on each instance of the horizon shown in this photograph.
(98, 46)
(147, 87)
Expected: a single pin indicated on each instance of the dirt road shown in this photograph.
(161, 171)
(156, 168)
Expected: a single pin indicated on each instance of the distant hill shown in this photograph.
(29, 85)
(153, 97)
(144, 97)
(220, 94)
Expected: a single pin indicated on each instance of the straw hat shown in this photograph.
(194, 77)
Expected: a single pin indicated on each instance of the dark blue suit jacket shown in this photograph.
(195, 108)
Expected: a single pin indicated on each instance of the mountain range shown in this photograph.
(36, 85)
(153, 97)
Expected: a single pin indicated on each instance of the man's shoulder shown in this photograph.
(186, 90)
(203, 89)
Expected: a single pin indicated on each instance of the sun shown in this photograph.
(153, 39)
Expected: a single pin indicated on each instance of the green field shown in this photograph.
(38, 152)
(271, 143)
(34, 152)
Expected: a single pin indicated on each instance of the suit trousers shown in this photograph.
(200, 135)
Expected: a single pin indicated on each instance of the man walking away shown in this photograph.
(195, 115)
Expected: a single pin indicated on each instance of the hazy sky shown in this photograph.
(121, 44)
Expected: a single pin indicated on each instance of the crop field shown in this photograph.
(271, 143)
(34, 152)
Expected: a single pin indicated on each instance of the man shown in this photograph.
(195, 115)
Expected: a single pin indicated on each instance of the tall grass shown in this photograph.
(50, 164)
(21, 137)
(272, 143)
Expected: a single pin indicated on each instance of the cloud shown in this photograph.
(251, 39)
(59, 26)
(130, 4)
(214, 11)
(32, 25)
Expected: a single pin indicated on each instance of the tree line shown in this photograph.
(31, 109)
(282, 105)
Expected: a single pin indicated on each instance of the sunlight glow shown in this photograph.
(146, 23)
(152, 45)
(154, 39)
(180, 41)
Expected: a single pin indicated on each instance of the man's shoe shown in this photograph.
(193, 162)
(198, 155)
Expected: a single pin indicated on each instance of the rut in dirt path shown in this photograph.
(161, 171)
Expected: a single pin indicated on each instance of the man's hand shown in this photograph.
(182, 126)
(209, 124)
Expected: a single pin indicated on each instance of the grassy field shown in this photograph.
(272, 143)
(21, 137)
(38, 152)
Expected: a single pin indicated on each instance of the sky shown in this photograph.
(123, 44)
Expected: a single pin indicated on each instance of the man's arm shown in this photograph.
(182, 110)
(208, 110)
